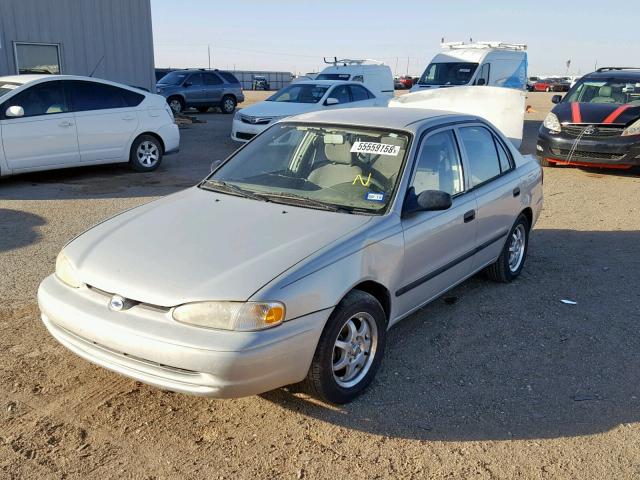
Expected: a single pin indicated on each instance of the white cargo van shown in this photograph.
(495, 64)
(376, 76)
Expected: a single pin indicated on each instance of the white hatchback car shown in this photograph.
(60, 121)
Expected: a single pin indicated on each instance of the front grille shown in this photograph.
(561, 152)
(148, 306)
(599, 132)
(245, 136)
(255, 120)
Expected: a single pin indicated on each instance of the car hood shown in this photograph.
(601, 113)
(201, 245)
(279, 109)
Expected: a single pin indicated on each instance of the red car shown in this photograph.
(551, 85)
(407, 82)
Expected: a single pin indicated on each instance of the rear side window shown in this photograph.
(98, 96)
(480, 147)
(229, 77)
(359, 93)
(505, 163)
(42, 99)
(212, 79)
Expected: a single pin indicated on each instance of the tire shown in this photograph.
(364, 314)
(176, 104)
(507, 268)
(146, 153)
(203, 109)
(228, 104)
(547, 89)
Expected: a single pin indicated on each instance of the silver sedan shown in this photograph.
(295, 256)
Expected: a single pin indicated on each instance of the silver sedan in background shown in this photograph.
(295, 256)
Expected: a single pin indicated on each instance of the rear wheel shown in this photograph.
(228, 104)
(350, 349)
(146, 154)
(511, 259)
(176, 104)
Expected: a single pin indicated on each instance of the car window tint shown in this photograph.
(341, 92)
(229, 77)
(195, 79)
(98, 96)
(358, 78)
(481, 153)
(359, 93)
(438, 166)
(503, 156)
(42, 99)
(212, 79)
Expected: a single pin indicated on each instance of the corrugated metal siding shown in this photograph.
(87, 30)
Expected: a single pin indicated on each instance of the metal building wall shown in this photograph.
(87, 30)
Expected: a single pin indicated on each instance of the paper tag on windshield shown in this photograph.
(376, 148)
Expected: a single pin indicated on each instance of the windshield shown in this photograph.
(457, 73)
(173, 78)
(333, 76)
(6, 87)
(316, 166)
(610, 90)
(300, 93)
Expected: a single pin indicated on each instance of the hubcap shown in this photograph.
(148, 154)
(228, 105)
(354, 349)
(516, 248)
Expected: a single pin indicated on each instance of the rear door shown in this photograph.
(439, 246)
(107, 119)
(213, 86)
(46, 134)
(492, 176)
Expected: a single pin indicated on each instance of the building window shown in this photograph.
(37, 58)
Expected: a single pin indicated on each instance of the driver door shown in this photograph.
(438, 245)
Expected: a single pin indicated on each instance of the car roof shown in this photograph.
(409, 119)
(324, 82)
(27, 79)
(626, 74)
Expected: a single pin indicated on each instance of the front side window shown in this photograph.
(483, 75)
(610, 90)
(318, 166)
(87, 95)
(37, 58)
(456, 73)
(438, 166)
(43, 99)
(300, 93)
(480, 147)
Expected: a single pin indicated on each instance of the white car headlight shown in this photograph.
(66, 273)
(633, 129)
(552, 123)
(239, 316)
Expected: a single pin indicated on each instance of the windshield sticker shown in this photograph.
(377, 148)
(362, 180)
(374, 197)
(8, 86)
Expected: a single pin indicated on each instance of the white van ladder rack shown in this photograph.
(349, 61)
(481, 45)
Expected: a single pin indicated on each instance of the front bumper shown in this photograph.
(147, 345)
(243, 132)
(613, 152)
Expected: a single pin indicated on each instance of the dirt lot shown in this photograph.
(505, 382)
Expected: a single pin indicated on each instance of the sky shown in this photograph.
(294, 36)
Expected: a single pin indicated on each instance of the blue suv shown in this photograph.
(201, 89)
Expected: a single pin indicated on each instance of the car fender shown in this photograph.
(4, 165)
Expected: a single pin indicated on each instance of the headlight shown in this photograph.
(239, 316)
(552, 123)
(237, 115)
(159, 90)
(633, 129)
(65, 271)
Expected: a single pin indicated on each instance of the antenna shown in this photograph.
(96, 67)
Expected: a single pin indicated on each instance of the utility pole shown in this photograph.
(407, 66)
(209, 54)
(396, 70)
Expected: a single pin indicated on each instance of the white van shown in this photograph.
(495, 64)
(376, 76)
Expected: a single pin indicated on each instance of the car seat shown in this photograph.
(340, 168)
(604, 95)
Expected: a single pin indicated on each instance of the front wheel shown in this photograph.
(511, 259)
(350, 349)
(228, 104)
(146, 154)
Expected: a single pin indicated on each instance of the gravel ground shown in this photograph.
(500, 381)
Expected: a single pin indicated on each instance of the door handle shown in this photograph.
(66, 123)
(128, 118)
(469, 216)
(516, 191)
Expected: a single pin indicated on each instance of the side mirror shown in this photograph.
(556, 99)
(215, 164)
(481, 81)
(187, 84)
(331, 101)
(14, 111)
(427, 201)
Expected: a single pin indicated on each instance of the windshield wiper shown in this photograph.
(220, 186)
(300, 200)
